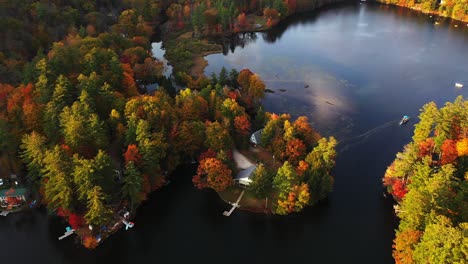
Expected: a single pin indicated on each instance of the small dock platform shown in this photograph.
(234, 205)
(68, 233)
(4, 213)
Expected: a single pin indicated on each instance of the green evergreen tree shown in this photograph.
(133, 184)
(262, 181)
(97, 213)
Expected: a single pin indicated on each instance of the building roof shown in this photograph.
(256, 137)
(245, 174)
(16, 192)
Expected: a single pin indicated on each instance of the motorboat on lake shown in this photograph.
(404, 120)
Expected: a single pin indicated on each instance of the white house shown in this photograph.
(19, 194)
(256, 137)
(244, 176)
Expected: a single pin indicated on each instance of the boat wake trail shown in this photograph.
(346, 144)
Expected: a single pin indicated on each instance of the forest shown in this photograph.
(80, 129)
(456, 9)
(429, 181)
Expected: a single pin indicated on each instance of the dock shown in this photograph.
(234, 205)
(68, 233)
(4, 213)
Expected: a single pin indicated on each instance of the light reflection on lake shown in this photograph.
(355, 67)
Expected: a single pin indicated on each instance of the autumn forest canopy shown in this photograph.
(78, 125)
(429, 180)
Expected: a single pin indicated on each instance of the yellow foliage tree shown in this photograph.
(462, 147)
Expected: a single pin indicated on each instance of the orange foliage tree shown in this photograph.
(404, 244)
(304, 131)
(90, 242)
(297, 199)
(295, 150)
(212, 173)
(426, 147)
(242, 124)
(242, 20)
(449, 151)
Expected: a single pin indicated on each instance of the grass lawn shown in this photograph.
(248, 201)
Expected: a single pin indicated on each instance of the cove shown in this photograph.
(366, 66)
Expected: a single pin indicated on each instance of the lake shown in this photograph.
(364, 66)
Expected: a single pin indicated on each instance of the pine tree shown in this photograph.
(97, 213)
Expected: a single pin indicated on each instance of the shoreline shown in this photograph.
(418, 9)
(198, 69)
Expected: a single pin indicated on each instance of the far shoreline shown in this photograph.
(198, 69)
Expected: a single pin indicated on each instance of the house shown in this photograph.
(243, 178)
(256, 137)
(17, 195)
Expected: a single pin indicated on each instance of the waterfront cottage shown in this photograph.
(243, 178)
(256, 137)
(13, 196)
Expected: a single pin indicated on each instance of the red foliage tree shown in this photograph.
(242, 125)
(132, 154)
(242, 20)
(128, 82)
(449, 152)
(399, 189)
(76, 220)
(233, 95)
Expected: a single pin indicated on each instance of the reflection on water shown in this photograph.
(340, 70)
(158, 53)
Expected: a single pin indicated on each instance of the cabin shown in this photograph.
(243, 178)
(12, 196)
(256, 137)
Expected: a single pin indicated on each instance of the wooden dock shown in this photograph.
(234, 205)
(68, 233)
(4, 213)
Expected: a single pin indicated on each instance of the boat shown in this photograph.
(404, 120)
(458, 85)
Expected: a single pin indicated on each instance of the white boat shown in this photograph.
(404, 120)
(458, 85)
